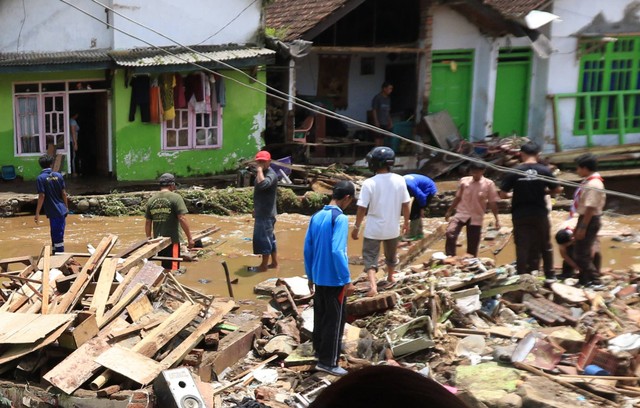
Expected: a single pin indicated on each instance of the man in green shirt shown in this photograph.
(166, 214)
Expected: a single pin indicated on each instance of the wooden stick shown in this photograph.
(179, 286)
(135, 328)
(575, 388)
(600, 377)
(247, 371)
(226, 274)
(19, 279)
(46, 288)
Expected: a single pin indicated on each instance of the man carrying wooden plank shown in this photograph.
(165, 214)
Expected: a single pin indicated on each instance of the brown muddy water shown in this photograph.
(21, 236)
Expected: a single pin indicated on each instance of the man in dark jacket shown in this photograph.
(264, 212)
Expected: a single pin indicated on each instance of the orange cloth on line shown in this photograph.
(474, 196)
(155, 109)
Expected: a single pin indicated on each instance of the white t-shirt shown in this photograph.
(384, 194)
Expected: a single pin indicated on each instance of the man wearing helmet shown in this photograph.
(382, 198)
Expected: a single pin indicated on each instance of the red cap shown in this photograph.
(263, 155)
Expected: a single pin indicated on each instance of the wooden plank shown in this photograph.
(19, 350)
(46, 287)
(231, 349)
(58, 261)
(140, 307)
(177, 354)
(69, 300)
(157, 337)
(18, 328)
(135, 366)
(150, 274)
(152, 248)
(103, 288)
(4, 263)
(78, 367)
(120, 306)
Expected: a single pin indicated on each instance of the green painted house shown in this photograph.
(141, 104)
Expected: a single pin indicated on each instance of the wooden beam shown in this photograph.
(69, 300)
(46, 287)
(177, 354)
(157, 338)
(103, 288)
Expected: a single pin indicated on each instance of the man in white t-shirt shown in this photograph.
(385, 196)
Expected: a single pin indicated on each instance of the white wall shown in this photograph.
(188, 22)
(46, 25)
(362, 88)
(51, 25)
(564, 67)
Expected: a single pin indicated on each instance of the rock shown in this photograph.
(83, 206)
(282, 345)
(131, 201)
(488, 382)
(94, 203)
(510, 401)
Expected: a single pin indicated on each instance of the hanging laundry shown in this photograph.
(140, 88)
(198, 92)
(155, 108)
(179, 100)
(214, 94)
(167, 83)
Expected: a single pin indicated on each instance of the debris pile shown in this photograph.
(494, 337)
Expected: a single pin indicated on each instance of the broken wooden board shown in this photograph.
(231, 349)
(58, 261)
(139, 307)
(25, 260)
(78, 367)
(21, 296)
(19, 350)
(135, 366)
(20, 328)
(103, 287)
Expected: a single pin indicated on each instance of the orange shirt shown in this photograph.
(474, 196)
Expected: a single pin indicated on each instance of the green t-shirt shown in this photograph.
(163, 209)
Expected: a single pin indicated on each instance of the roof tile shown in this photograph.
(296, 17)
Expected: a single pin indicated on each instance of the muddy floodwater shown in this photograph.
(21, 236)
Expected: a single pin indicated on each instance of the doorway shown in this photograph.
(402, 75)
(510, 112)
(93, 137)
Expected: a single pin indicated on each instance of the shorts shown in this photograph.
(264, 238)
(172, 251)
(371, 250)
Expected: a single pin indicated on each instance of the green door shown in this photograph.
(451, 81)
(511, 109)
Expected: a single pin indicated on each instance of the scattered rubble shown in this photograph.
(116, 328)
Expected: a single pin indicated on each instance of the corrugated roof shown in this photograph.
(516, 8)
(64, 57)
(146, 57)
(296, 17)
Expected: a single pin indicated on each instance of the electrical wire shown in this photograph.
(229, 23)
(317, 109)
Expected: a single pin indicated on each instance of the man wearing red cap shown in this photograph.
(264, 212)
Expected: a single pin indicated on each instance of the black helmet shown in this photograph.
(380, 157)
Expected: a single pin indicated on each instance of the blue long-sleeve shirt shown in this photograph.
(325, 248)
(420, 187)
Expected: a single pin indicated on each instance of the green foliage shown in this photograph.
(313, 201)
(277, 33)
(288, 201)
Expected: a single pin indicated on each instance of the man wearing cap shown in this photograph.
(165, 214)
(327, 267)
(264, 212)
(531, 229)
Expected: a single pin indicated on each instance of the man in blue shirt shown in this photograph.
(327, 267)
(422, 189)
(52, 195)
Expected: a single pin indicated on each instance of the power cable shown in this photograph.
(229, 23)
(317, 109)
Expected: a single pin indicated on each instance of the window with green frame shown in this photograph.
(612, 68)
